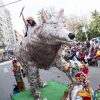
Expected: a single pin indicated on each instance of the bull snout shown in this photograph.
(71, 36)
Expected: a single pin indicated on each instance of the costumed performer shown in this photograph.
(17, 73)
(29, 23)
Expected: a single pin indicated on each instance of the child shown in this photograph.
(98, 57)
(17, 74)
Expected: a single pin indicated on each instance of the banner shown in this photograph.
(83, 29)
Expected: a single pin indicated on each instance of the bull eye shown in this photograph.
(55, 26)
(65, 25)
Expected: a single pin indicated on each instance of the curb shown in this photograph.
(7, 62)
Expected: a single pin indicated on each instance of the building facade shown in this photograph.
(19, 37)
(7, 37)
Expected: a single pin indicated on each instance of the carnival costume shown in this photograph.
(17, 73)
(41, 48)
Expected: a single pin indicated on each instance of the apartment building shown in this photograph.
(19, 37)
(6, 28)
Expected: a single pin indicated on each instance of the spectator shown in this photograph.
(92, 42)
(96, 45)
(81, 56)
(80, 46)
(89, 59)
(87, 45)
(86, 56)
(83, 53)
(93, 54)
(77, 53)
(67, 55)
(91, 48)
(73, 53)
(76, 47)
(98, 57)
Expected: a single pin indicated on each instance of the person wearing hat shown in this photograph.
(29, 23)
(98, 57)
(17, 73)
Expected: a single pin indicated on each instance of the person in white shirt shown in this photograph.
(29, 23)
(77, 52)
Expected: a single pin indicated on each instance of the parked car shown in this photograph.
(95, 39)
(1, 60)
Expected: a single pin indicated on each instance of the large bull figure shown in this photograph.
(40, 49)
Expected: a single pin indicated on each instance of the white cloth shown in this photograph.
(19, 65)
(75, 90)
(30, 29)
(80, 46)
(77, 54)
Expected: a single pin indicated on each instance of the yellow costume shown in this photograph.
(83, 93)
(17, 74)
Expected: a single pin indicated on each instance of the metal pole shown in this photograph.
(86, 36)
(7, 51)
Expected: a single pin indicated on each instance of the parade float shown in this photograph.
(40, 50)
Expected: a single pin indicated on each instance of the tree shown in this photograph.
(72, 23)
(95, 14)
(50, 11)
(39, 14)
(94, 28)
(80, 36)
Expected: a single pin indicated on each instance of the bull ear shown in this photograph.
(45, 15)
(61, 12)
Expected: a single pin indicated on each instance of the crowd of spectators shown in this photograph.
(84, 52)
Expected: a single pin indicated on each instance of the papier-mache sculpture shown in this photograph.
(41, 48)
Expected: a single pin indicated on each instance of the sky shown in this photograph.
(71, 7)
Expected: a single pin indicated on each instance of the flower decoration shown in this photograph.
(80, 77)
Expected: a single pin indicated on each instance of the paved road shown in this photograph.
(6, 78)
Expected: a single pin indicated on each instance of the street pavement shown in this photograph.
(6, 78)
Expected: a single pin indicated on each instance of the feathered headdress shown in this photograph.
(14, 61)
